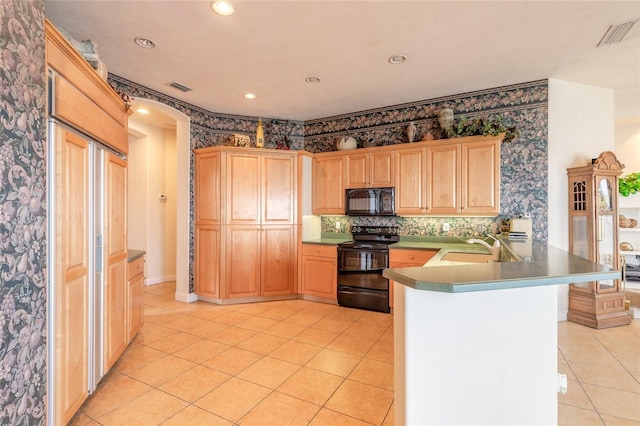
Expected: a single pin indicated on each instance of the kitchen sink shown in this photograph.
(453, 256)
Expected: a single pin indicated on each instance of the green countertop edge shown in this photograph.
(444, 277)
(134, 254)
(449, 277)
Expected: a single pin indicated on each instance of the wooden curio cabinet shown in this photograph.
(593, 234)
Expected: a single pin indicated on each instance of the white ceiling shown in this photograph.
(270, 47)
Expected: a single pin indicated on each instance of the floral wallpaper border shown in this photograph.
(23, 214)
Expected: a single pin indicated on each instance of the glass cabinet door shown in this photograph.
(606, 249)
(580, 244)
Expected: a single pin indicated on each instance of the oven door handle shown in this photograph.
(360, 250)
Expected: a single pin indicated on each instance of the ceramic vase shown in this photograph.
(411, 131)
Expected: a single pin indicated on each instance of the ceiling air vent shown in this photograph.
(179, 86)
(617, 33)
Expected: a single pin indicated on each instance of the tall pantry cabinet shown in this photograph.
(87, 127)
(246, 222)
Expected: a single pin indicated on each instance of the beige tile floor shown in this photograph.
(303, 363)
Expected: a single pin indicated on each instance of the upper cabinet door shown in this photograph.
(357, 170)
(243, 189)
(381, 169)
(207, 188)
(481, 177)
(279, 187)
(328, 184)
(411, 178)
(443, 175)
(369, 169)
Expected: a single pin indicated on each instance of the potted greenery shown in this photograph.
(492, 125)
(629, 184)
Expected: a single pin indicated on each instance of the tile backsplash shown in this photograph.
(418, 225)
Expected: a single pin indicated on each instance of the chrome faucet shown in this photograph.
(494, 250)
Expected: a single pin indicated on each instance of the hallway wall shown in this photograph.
(152, 221)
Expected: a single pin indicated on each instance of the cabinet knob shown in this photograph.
(139, 267)
(411, 257)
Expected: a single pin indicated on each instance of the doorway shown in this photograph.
(159, 219)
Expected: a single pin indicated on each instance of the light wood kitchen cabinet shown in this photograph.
(481, 176)
(328, 184)
(463, 176)
(372, 169)
(411, 181)
(207, 188)
(261, 188)
(135, 296)
(260, 261)
(242, 264)
(116, 336)
(81, 98)
(278, 260)
(444, 177)
(208, 211)
(250, 250)
(208, 243)
(407, 258)
(88, 186)
(320, 271)
(72, 275)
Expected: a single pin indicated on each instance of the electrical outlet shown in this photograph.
(445, 227)
(527, 215)
(338, 226)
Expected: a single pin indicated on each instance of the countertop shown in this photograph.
(134, 254)
(542, 265)
(330, 239)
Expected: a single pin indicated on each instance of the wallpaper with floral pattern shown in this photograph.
(23, 213)
(523, 161)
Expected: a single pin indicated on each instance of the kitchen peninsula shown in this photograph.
(482, 336)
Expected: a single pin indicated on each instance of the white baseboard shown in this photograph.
(159, 280)
(562, 315)
(186, 297)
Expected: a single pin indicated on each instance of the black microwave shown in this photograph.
(370, 202)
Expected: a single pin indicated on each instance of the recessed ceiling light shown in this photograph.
(142, 111)
(223, 8)
(397, 59)
(144, 42)
(249, 96)
(312, 79)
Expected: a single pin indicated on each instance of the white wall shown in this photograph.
(581, 126)
(152, 221)
(136, 191)
(170, 176)
(627, 129)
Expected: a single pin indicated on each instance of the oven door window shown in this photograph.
(362, 260)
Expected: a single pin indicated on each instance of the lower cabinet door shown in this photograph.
(242, 262)
(278, 260)
(319, 277)
(136, 304)
(207, 257)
